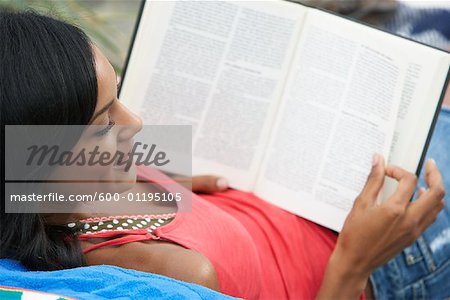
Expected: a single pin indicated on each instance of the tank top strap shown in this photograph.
(129, 238)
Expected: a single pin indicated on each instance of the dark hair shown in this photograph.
(47, 77)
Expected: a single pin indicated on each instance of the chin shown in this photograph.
(123, 179)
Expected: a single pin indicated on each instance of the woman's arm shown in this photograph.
(375, 232)
(163, 258)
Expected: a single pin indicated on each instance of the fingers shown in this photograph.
(423, 213)
(433, 179)
(431, 198)
(208, 184)
(407, 183)
(429, 218)
(430, 202)
(374, 181)
(421, 192)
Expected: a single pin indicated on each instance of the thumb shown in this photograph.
(208, 184)
(375, 180)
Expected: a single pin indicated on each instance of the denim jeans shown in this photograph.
(422, 271)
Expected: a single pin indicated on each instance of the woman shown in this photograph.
(231, 241)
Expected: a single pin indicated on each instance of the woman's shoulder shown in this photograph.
(163, 258)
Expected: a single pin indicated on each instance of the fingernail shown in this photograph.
(375, 159)
(222, 183)
(432, 161)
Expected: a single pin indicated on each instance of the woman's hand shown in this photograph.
(205, 184)
(208, 184)
(375, 232)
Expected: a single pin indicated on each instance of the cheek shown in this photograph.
(99, 172)
(113, 172)
(106, 155)
(96, 164)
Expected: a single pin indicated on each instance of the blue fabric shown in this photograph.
(422, 271)
(102, 282)
(438, 20)
(427, 25)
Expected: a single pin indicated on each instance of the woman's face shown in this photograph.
(114, 126)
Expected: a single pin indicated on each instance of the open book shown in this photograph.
(286, 101)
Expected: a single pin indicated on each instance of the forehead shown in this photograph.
(106, 79)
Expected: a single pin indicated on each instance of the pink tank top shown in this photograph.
(258, 250)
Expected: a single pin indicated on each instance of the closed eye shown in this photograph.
(105, 130)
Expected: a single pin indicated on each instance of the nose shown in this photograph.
(129, 122)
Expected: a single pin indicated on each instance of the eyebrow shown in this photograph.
(103, 110)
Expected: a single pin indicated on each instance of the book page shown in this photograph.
(218, 66)
(339, 108)
(421, 92)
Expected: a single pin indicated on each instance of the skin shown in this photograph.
(119, 138)
(391, 226)
(447, 97)
(151, 256)
(350, 264)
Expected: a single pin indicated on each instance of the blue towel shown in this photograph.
(102, 282)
